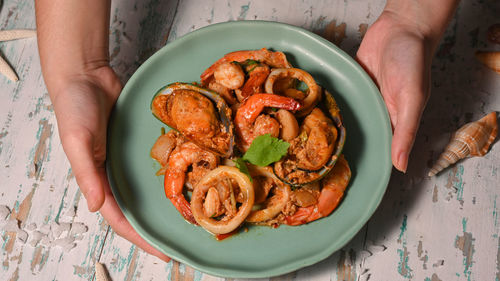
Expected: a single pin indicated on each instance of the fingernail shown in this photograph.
(91, 206)
(91, 203)
(402, 161)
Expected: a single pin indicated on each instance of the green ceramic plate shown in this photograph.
(262, 251)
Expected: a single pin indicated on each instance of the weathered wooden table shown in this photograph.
(441, 228)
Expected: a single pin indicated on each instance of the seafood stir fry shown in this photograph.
(257, 141)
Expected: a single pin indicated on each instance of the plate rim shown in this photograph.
(289, 267)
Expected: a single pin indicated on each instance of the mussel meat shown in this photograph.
(314, 152)
(200, 115)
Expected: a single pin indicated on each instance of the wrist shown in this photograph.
(62, 66)
(101, 79)
(426, 18)
(402, 21)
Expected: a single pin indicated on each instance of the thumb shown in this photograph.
(90, 175)
(406, 127)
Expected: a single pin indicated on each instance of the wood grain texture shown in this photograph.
(441, 228)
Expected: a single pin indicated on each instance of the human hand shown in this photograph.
(82, 109)
(73, 39)
(398, 55)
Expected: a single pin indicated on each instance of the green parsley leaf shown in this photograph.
(252, 69)
(265, 150)
(242, 166)
(250, 62)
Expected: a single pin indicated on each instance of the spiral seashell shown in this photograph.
(472, 139)
(490, 59)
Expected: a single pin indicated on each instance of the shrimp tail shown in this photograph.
(254, 82)
(173, 185)
(184, 208)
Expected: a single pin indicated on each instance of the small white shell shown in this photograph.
(6, 70)
(100, 272)
(472, 139)
(6, 35)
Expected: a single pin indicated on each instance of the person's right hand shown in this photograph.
(397, 52)
(82, 109)
(398, 57)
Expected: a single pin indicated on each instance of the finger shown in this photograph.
(114, 216)
(88, 173)
(405, 130)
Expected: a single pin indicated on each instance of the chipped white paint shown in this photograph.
(441, 228)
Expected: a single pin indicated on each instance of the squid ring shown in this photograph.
(274, 205)
(314, 95)
(201, 189)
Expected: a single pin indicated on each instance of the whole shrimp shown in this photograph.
(332, 192)
(175, 176)
(229, 77)
(257, 75)
(273, 59)
(247, 114)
